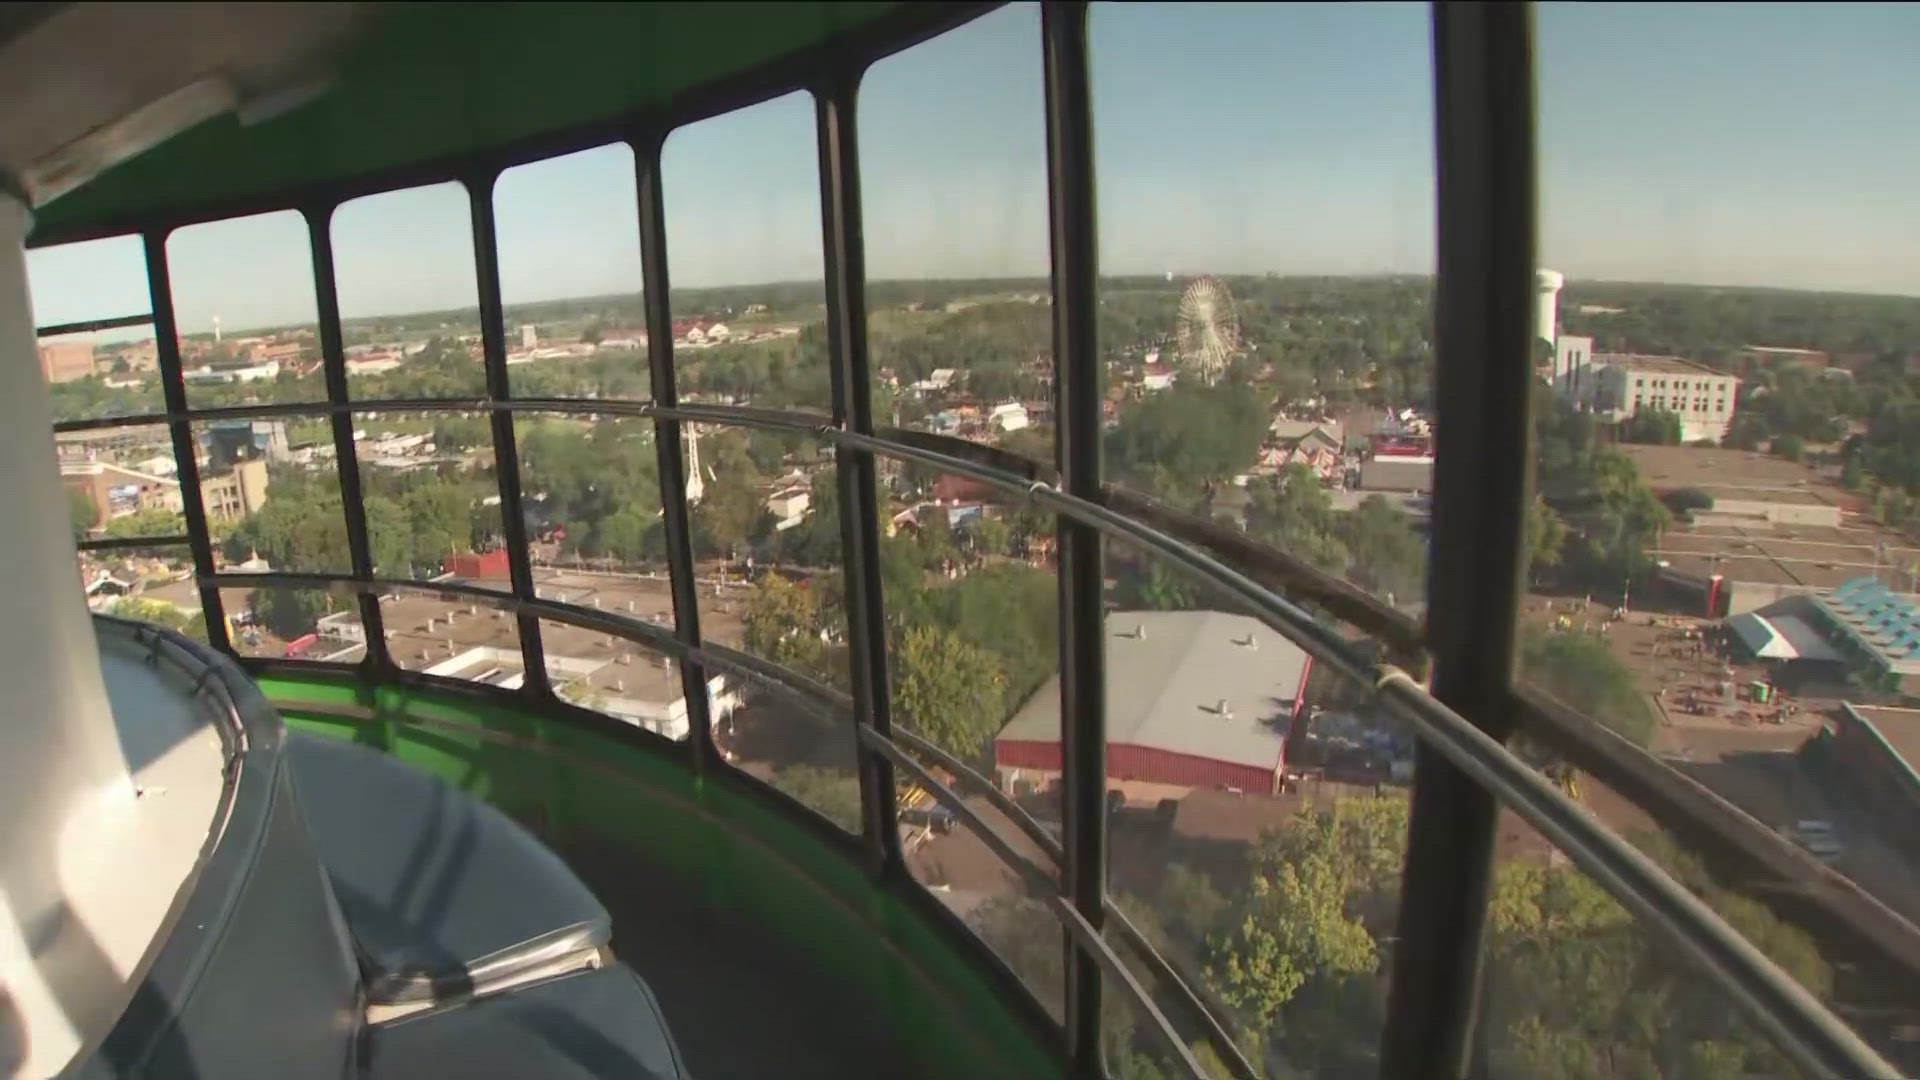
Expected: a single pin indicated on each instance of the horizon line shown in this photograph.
(1381, 275)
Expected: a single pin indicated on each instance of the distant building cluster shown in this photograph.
(1618, 386)
(122, 472)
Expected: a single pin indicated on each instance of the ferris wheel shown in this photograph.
(1208, 330)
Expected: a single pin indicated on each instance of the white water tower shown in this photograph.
(1546, 318)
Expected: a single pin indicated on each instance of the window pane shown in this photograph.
(450, 635)
(94, 279)
(409, 301)
(570, 276)
(102, 374)
(433, 511)
(621, 678)
(590, 492)
(107, 372)
(1265, 318)
(1014, 922)
(953, 174)
(121, 482)
(804, 748)
(765, 523)
(1248, 787)
(788, 607)
(295, 624)
(1129, 1040)
(743, 231)
(244, 306)
(153, 585)
(266, 508)
(1721, 529)
(972, 653)
(1575, 986)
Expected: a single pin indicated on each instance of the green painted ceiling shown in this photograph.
(428, 81)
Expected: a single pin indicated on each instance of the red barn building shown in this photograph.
(1195, 699)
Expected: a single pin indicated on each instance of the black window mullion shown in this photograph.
(1077, 395)
(1483, 380)
(333, 362)
(669, 452)
(506, 455)
(851, 380)
(173, 389)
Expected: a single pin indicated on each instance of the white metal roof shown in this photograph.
(1169, 674)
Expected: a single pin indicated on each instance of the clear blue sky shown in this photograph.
(1736, 144)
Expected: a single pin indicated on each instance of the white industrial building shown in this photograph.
(1703, 398)
(1615, 386)
(1574, 376)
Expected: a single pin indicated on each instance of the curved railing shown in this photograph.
(1464, 770)
(1777, 1004)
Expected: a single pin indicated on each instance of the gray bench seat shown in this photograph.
(443, 894)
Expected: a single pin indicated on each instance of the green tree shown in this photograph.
(438, 521)
(1187, 439)
(1853, 474)
(1389, 558)
(153, 521)
(1688, 499)
(816, 540)
(1746, 431)
(949, 691)
(1613, 519)
(833, 793)
(990, 537)
(783, 624)
(1293, 512)
(1658, 427)
(1008, 611)
(1315, 885)
(1577, 988)
(389, 536)
(1149, 586)
(726, 515)
(625, 533)
(162, 613)
(81, 511)
(1546, 534)
(1582, 671)
(1791, 447)
(290, 613)
(301, 527)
